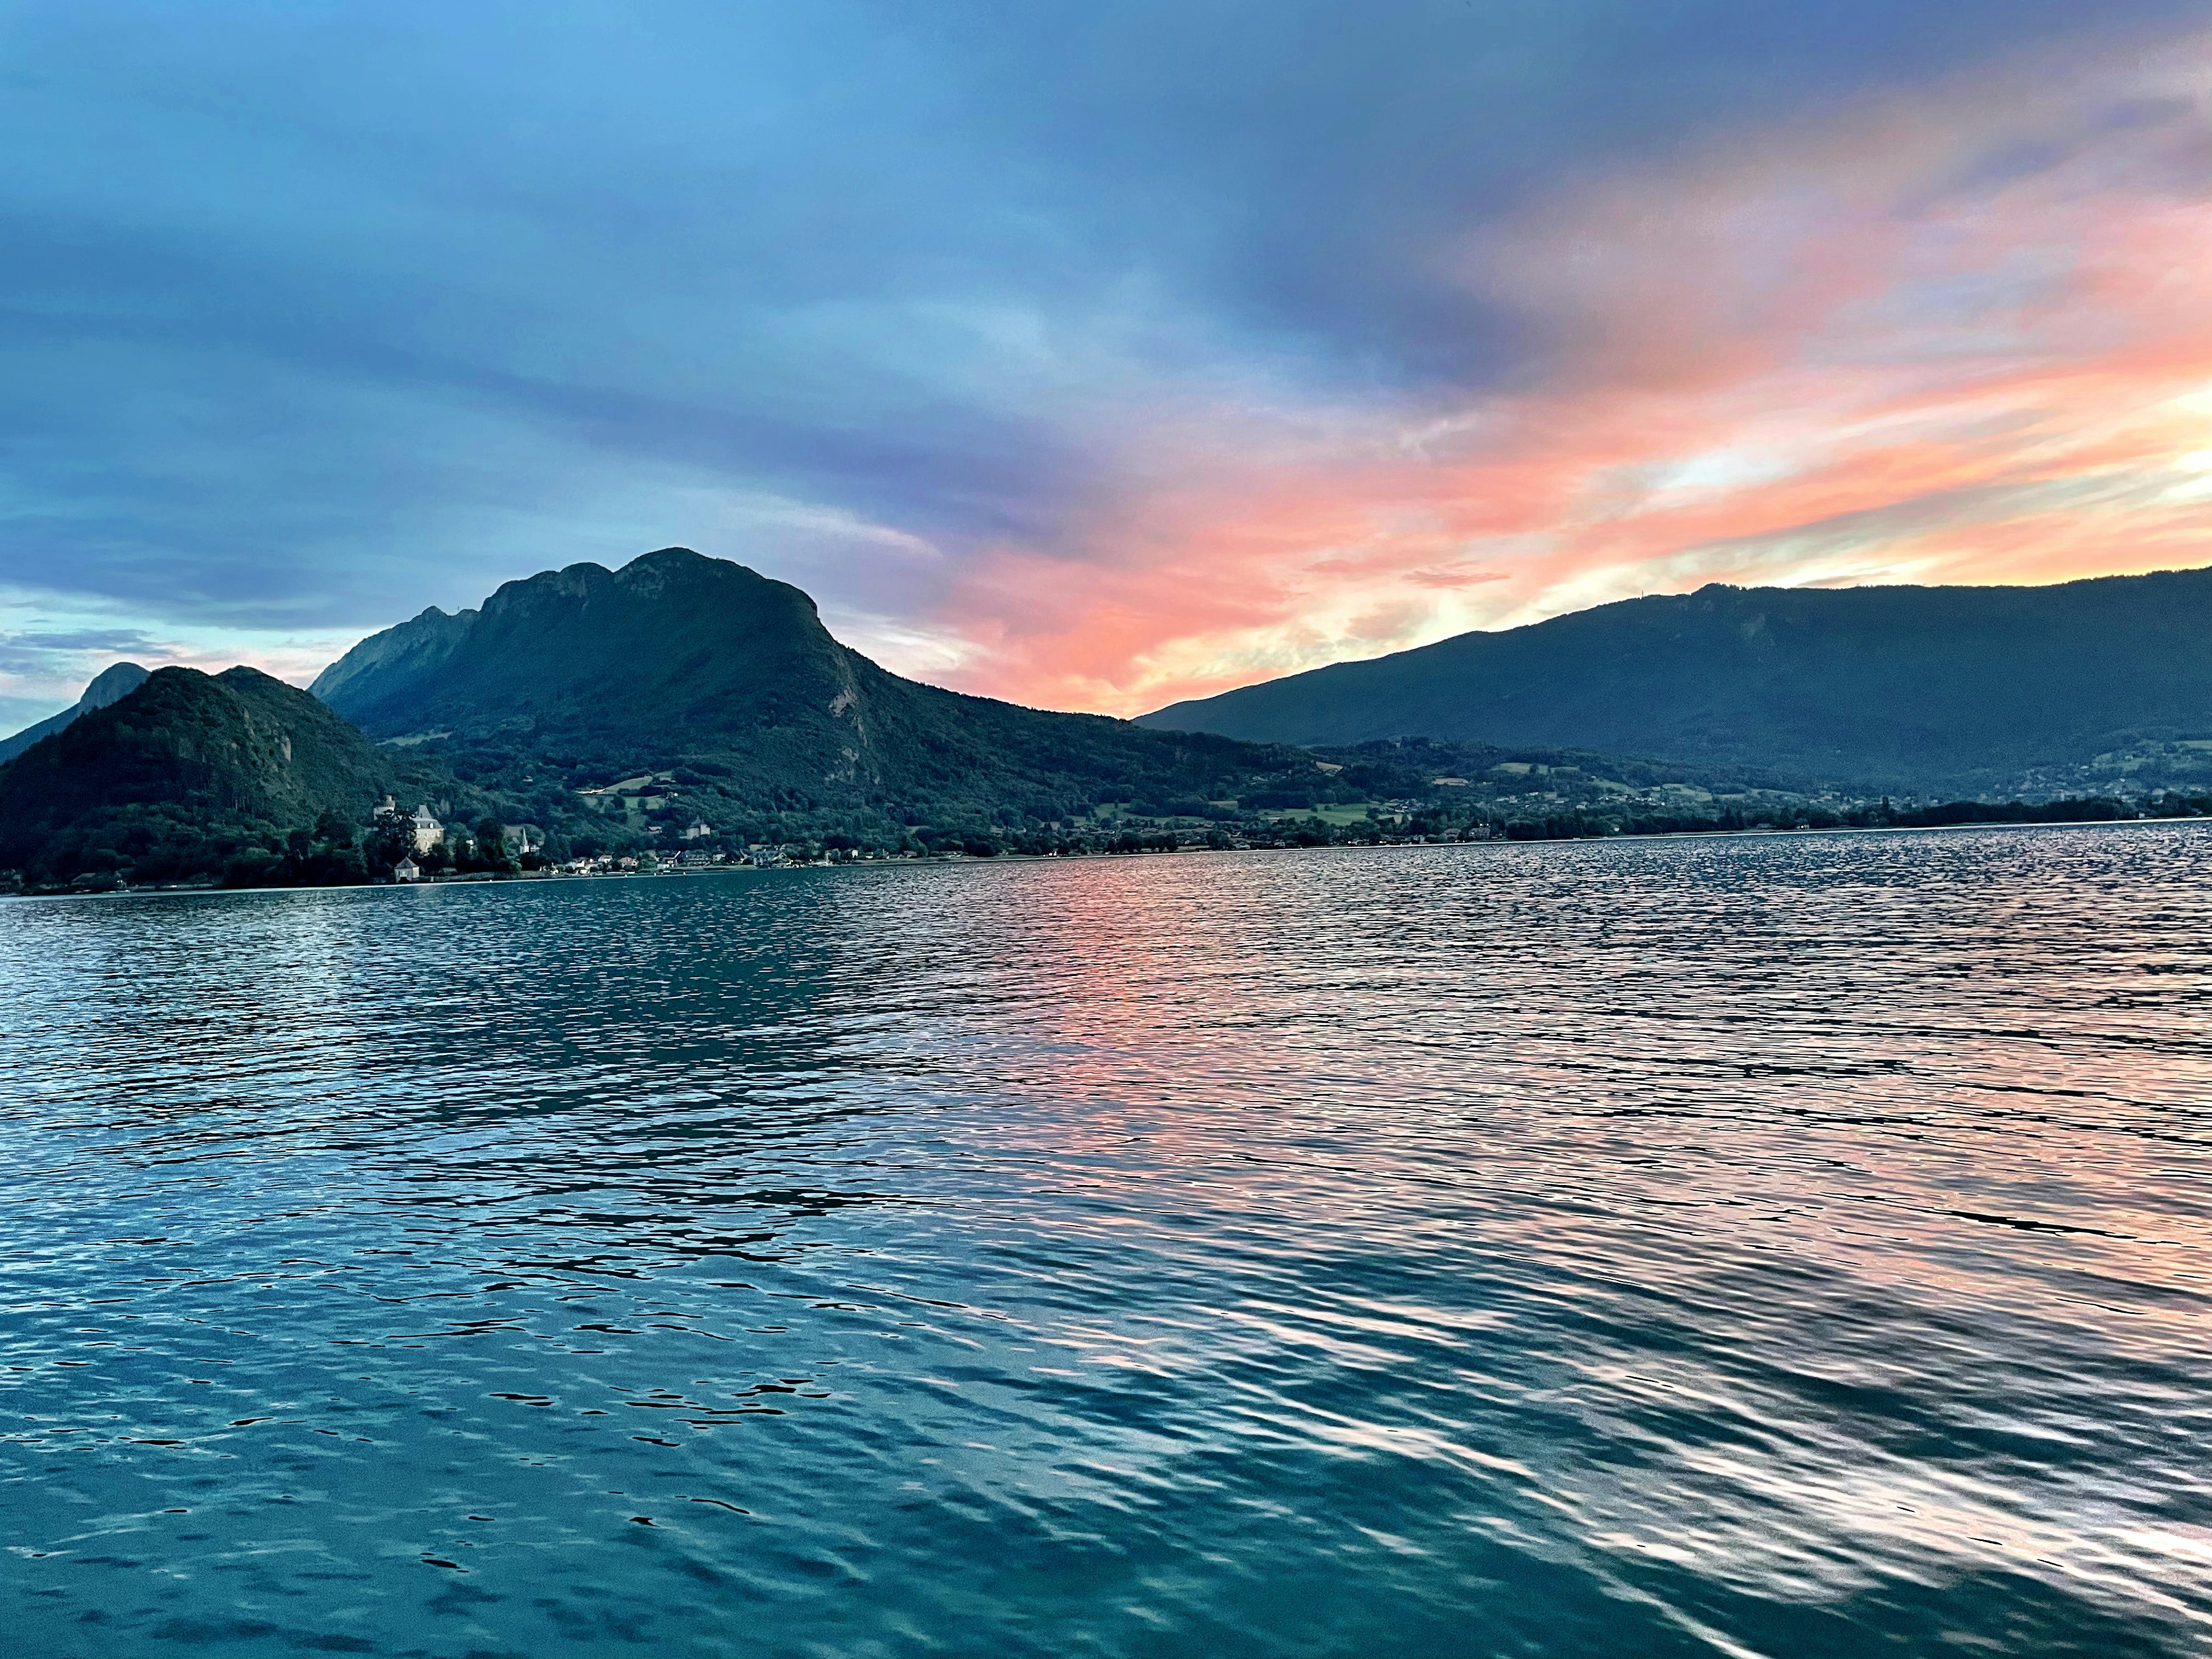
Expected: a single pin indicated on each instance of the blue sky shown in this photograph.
(1089, 356)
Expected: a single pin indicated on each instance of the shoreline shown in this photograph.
(942, 862)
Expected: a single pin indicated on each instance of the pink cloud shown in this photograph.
(1876, 348)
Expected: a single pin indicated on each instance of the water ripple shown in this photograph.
(1783, 1246)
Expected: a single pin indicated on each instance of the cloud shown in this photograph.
(54, 662)
(95, 639)
(1089, 357)
(42, 672)
(44, 668)
(1960, 334)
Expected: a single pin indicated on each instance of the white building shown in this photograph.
(429, 832)
(407, 870)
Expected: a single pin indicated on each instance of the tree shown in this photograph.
(491, 845)
(391, 838)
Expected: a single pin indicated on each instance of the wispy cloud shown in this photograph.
(1960, 334)
(1093, 356)
(44, 668)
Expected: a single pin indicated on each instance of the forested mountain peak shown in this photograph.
(587, 676)
(1925, 690)
(185, 767)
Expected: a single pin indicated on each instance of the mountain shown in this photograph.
(1915, 689)
(182, 775)
(729, 683)
(108, 686)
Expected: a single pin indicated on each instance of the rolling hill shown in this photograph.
(1925, 690)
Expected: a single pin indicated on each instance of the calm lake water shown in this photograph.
(1791, 1247)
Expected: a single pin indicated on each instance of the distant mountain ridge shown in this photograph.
(1927, 690)
(109, 685)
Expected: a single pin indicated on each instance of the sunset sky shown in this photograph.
(1094, 357)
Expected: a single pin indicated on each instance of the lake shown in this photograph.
(1784, 1246)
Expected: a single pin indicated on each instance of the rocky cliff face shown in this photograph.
(417, 647)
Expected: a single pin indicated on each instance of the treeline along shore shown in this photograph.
(336, 854)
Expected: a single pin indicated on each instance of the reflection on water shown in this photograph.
(1790, 1246)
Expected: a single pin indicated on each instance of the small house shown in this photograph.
(407, 870)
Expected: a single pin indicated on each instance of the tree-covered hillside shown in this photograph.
(183, 776)
(725, 688)
(1924, 690)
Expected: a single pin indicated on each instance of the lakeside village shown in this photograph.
(434, 851)
(417, 846)
(442, 853)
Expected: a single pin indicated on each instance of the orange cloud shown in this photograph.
(1965, 335)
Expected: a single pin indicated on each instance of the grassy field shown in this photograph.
(1340, 816)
